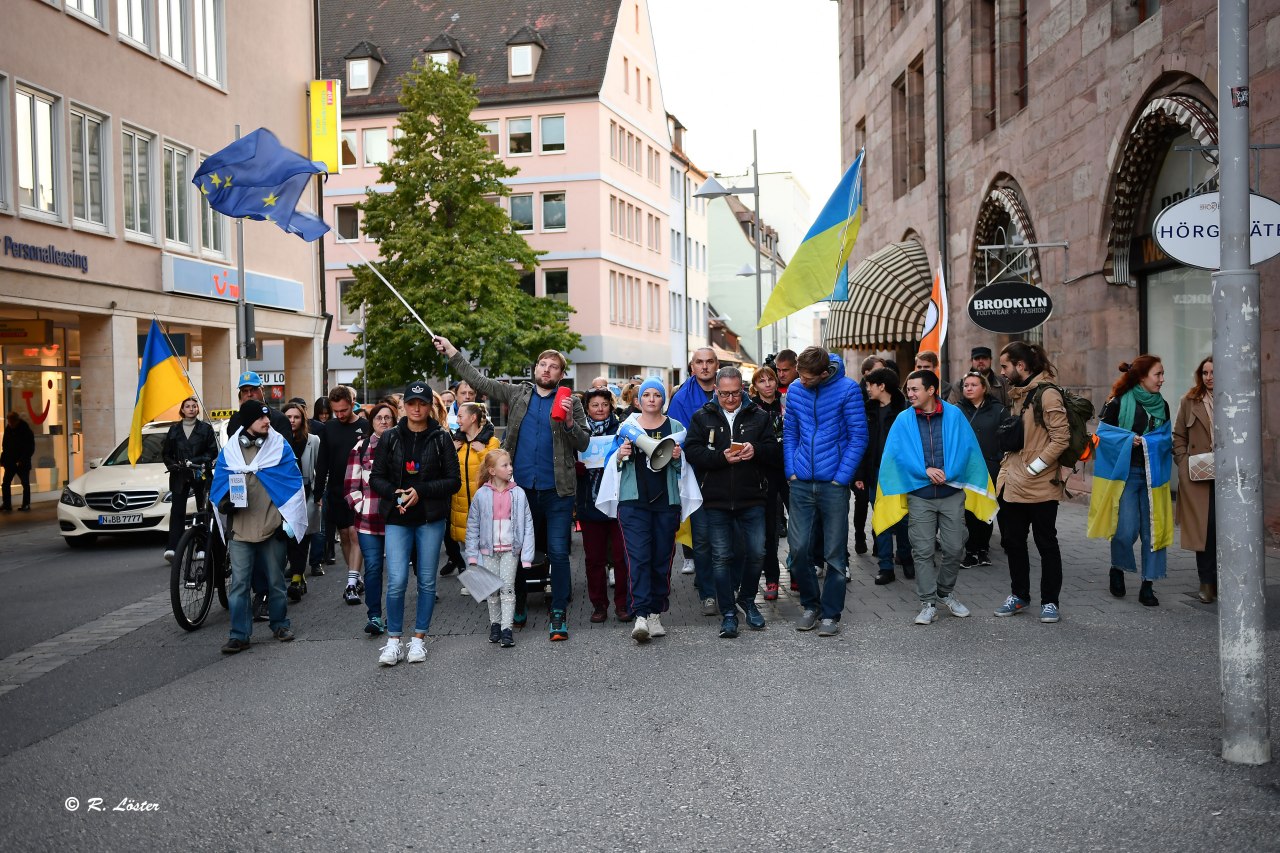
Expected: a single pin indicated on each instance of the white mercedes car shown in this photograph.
(115, 497)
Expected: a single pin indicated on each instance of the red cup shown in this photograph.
(557, 411)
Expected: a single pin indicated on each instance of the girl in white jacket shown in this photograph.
(500, 527)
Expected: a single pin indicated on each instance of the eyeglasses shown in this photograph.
(729, 395)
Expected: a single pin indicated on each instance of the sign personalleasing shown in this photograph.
(1188, 230)
(1009, 306)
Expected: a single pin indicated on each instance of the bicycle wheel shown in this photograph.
(190, 581)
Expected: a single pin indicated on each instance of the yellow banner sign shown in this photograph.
(26, 331)
(326, 123)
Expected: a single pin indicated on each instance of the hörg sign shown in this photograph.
(1010, 307)
(1188, 231)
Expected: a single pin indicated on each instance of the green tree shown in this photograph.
(447, 247)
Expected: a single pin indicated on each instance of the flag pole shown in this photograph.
(164, 331)
(242, 319)
(383, 279)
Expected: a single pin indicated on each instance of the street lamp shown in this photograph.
(357, 328)
(714, 189)
(748, 270)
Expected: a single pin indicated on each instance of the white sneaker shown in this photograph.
(612, 580)
(655, 626)
(168, 554)
(640, 630)
(417, 650)
(928, 615)
(392, 652)
(462, 590)
(954, 605)
(687, 568)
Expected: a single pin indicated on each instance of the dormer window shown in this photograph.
(441, 59)
(444, 49)
(522, 60)
(357, 75)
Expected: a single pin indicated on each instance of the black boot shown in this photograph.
(1147, 596)
(1117, 582)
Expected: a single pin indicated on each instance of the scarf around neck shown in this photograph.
(1152, 404)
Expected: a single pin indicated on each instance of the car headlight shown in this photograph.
(168, 498)
(70, 498)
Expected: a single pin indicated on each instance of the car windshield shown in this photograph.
(152, 448)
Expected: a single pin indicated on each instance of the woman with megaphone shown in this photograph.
(643, 484)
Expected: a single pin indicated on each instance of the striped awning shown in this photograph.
(888, 297)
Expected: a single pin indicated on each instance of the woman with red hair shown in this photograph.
(1137, 406)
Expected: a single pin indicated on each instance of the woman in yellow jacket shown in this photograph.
(473, 439)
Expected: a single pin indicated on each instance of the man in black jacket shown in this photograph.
(884, 402)
(189, 449)
(730, 445)
(342, 432)
(18, 448)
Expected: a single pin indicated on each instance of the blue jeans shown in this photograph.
(883, 546)
(703, 564)
(1134, 524)
(372, 547)
(737, 542)
(267, 560)
(552, 527)
(828, 502)
(401, 541)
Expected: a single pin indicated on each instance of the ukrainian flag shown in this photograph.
(820, 259)
(162, 384)
(902, 469)
(1111, 461)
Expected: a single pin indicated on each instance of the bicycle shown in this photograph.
(200, 566)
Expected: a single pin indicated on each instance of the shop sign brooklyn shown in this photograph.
(1010, 306)
(1188, 230)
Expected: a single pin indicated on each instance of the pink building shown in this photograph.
(570, 96)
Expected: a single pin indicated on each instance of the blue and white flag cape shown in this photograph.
(902, 469)
(276, 468)
(607, 497)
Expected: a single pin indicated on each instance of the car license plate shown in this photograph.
(116, 520)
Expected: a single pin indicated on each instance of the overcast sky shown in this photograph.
(729, 66)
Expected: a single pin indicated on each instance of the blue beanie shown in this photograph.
(655, 383)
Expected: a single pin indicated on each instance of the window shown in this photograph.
(553, 212)
(375, 146)
(87, 178)
(208, 42)
(637, 85)
(489, 133)
(346, 316)
(88, 8)
(908, 128)
(858, 39)
(551, 134)
(527, 279)
(213, 228)
(519, 136)
(897, 11)
(135, 149)
(613, 214)
(357, 75)
(177, 185)
(613, 139)
(648, 85)
(349, 148)
(655, 306)
(522, 212)
(348, 219)
(626, 75)
(441, 59)
(173, 30)
(133, 20)
(522, 60)
(37, 153)
(556, 284)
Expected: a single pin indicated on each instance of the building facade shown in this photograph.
(1069, 123)
(733, 234)
(106, 111)
(687, 302)
(570, 96)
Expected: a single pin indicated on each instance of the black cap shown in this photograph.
(417, 391)
(251, 410)
(980, 352)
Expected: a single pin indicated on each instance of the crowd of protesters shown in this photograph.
(720, 467)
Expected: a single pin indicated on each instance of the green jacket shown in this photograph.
(567, 440)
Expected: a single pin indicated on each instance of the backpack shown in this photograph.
(1079, 413)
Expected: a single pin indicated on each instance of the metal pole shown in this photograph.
(364, 356)
(1237, 427)
(242, 321)
(755, 174)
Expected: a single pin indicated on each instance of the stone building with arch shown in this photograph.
(1072, 123)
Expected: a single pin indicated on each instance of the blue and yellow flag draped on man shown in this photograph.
(1111, 461)
(256, 177)
(820, 259)
(902, 469)
(162, 384)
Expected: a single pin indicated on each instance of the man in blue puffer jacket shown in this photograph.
(824, 436)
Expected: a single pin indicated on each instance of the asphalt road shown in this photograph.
(1098, 733)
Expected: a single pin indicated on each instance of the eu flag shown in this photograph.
(256, 177)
